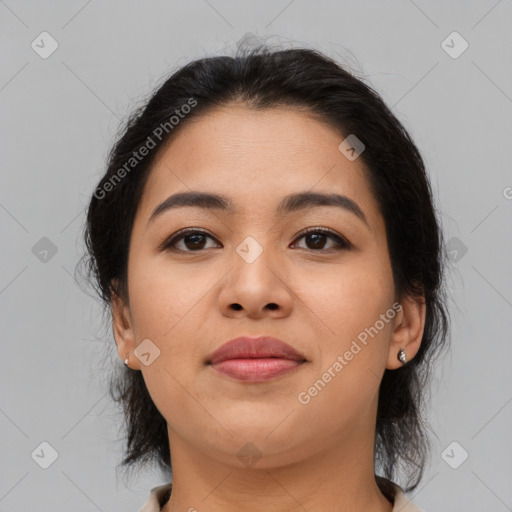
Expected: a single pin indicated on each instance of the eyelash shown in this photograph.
(167, 244)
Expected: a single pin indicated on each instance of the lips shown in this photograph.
(255, 348)
(255, 360)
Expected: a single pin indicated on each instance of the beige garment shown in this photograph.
(402, 504)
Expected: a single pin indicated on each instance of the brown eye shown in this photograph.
(316, 239)
(192, 240)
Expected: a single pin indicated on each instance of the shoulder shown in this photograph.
(402, 503)
(158, 496)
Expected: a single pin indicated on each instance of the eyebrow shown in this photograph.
(291, 203)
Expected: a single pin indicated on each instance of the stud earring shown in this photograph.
(126, 360)
(401, 356)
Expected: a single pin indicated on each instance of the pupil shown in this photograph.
(318, 238)
(196, 239)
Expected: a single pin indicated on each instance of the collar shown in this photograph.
(157, 494)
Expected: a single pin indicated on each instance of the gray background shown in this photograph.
(59, 118)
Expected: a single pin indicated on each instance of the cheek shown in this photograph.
(351, 354)
(168, 305)
(161, 296)
(348, 300)
(165, 303)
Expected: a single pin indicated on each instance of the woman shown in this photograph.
(266, 241)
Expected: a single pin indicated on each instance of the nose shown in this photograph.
(256, 287)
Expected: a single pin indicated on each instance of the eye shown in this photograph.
(193, 240)
(318, 236)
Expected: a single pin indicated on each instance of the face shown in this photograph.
(253, 271)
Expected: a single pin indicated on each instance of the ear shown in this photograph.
(123, 331)
(408, 330)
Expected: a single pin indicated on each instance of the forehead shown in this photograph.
(256, 157)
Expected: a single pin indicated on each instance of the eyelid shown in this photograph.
(341, 240)
(175, 237)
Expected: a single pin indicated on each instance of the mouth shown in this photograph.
(255, 359)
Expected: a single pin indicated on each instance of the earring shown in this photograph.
(401, 356)
(126, 360)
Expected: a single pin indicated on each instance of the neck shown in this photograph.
(340, 478)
